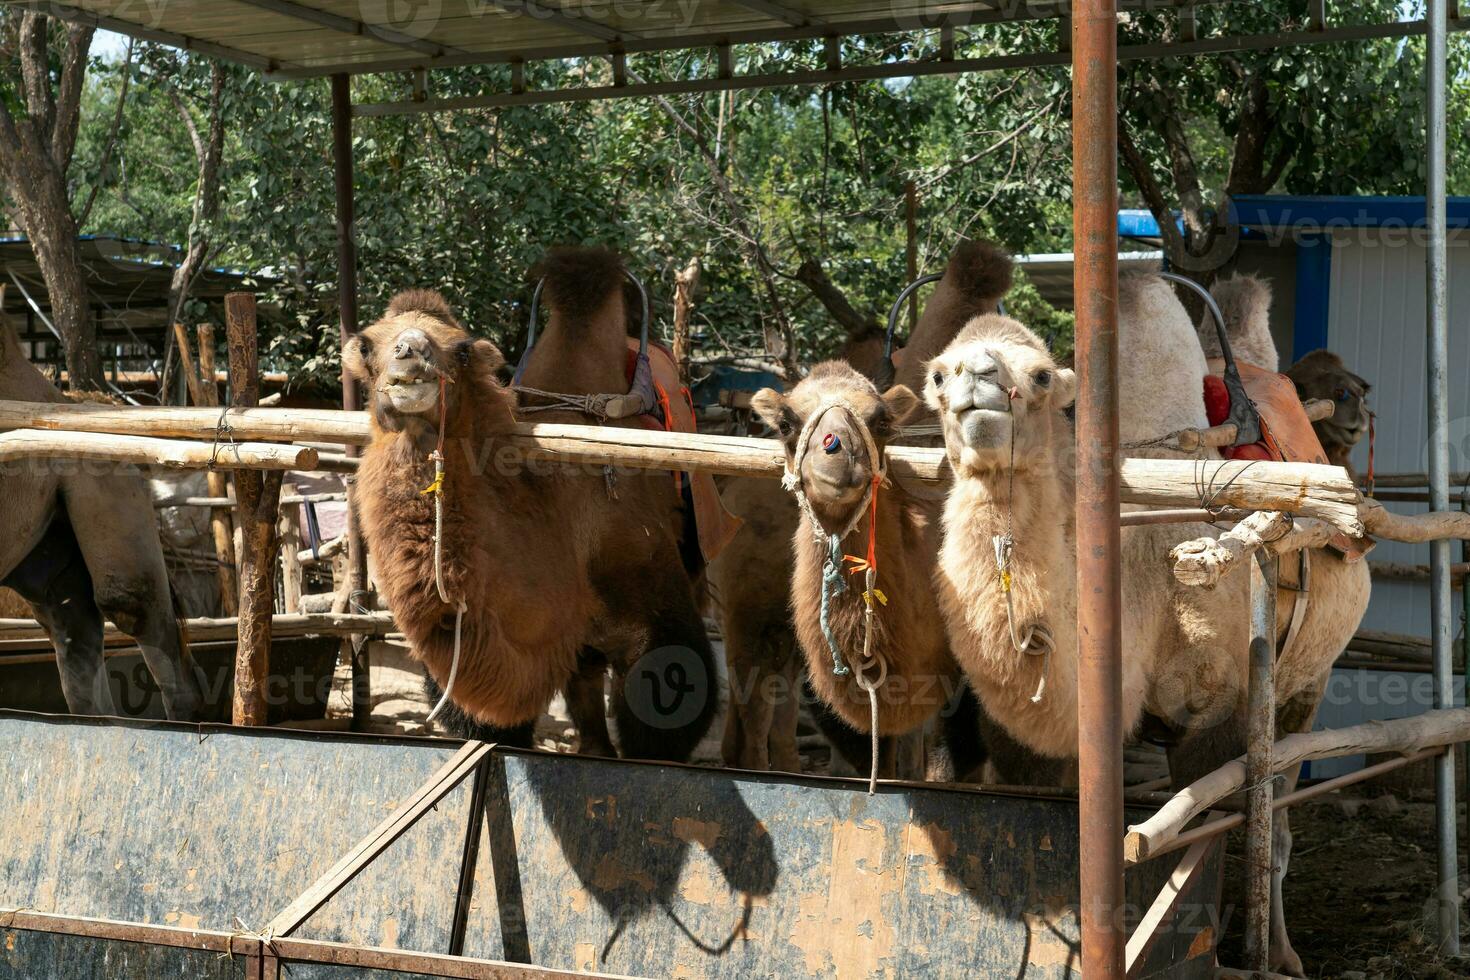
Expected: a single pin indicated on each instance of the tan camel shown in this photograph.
(559, 577)
(1007, 577)
(1322, 374)
(82, 545)
(752, 581)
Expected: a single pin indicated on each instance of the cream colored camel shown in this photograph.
(1007, 569)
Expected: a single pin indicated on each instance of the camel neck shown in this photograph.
(582, 358)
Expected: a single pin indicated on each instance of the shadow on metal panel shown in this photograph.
(584, 864)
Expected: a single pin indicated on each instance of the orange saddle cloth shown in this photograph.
(1286, 433)
(715, 525)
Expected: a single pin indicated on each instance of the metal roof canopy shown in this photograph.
(289, 39)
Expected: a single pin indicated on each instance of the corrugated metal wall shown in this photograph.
(1376, 323)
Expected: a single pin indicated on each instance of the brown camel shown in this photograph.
(753, 583)
(561, 572)
(1322, 374)
(1014, 629)
(83, 545)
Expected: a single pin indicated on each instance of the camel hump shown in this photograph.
(981, 270)
(1245, 302)
(428, 301)
(579, 279)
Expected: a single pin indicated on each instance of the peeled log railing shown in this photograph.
(1323, 492)
(1405, 736)
(32, 444)
(204, 630)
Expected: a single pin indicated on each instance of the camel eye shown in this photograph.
(1043, 379)
(938, 378)
(1341, 394)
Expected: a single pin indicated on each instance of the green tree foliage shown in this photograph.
(466, 201)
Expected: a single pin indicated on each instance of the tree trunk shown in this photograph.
(53, 237)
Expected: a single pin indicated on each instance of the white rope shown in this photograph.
(791, 480)
(438, 488)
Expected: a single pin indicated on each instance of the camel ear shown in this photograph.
(484, 355)
(770, 405)
(902, 404)
(356, 357)
(1064, 388)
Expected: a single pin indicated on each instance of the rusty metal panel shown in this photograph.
(301, 679)
(218, 829)
(645, 870)
(32, 955)
(585, 864)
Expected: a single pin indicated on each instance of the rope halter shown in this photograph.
(437, 490)
(833, 583)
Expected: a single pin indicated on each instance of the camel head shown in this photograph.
(1322, 374)
(836, 468)
(988, 384)
(404, 356)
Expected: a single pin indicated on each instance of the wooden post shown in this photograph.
(219, 486)
(291, 569)
(685, 283)
(187, 365)
(911, 250)
(257, 497)
(1261, 740)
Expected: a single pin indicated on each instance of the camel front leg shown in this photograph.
(784, 716)
(1296, 716)
(588, 708)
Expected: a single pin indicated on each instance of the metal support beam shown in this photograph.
(1099, 582)
(1259, 771)
(968, 14)
(1440, 597)
(355, 647)
(357, 28)
(899, 69)
(1317, 15)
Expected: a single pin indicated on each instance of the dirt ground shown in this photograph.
(1358, 895)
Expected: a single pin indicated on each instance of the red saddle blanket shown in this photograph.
(716, 526)
(1286, 432)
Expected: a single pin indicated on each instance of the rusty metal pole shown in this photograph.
(355, 646)
(1259, 769)
(1099, 589)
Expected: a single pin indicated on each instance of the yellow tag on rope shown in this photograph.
(872, 594)
(436, 487)
(1005, 580)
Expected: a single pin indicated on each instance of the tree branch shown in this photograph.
(856, 322)
(107, 149)
(67, 108)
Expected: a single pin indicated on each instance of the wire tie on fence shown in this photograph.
(222, 428)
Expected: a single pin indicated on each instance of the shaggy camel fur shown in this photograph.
(753, 582)
(908, 635)
(1322, 374)
(1001, 396)
(549, 565)
(83, 544)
